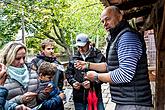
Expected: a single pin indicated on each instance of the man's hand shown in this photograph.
(81, 65)
(3, 74)
(22, 107)
(76, 85)
(86, 84)
(28, 96)
(91, 75)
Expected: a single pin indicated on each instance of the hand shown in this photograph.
(28, 96)
(62, 95)
(3, 74)
(91, 75)
(22, 107)
(48, 89)
(81, 65)
(86, 84)
(76, 85)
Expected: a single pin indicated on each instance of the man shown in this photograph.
(126, 67)
(47, 54)
(82, 88)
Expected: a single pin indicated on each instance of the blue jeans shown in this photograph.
(100, 106)
(81, 106)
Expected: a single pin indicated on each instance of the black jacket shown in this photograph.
(73, 75)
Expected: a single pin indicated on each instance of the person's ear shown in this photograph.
(120, 17)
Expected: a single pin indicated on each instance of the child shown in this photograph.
(49, 95)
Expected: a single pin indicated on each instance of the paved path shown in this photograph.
(106, 98)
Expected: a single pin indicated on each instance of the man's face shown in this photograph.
(20, 58)
(83, 49)
(109, 19)
(49, 50)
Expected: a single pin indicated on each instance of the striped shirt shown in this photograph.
(129, 52)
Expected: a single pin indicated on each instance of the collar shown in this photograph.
(45, 58)
(116, 30)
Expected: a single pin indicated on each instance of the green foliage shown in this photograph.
(9, 23)
(83, 17)
(60, 20)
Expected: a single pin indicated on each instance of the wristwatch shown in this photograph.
(96, 78)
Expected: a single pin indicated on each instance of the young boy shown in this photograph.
(49, 95)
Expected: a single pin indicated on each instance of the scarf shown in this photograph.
(46, 58)
(19, 74)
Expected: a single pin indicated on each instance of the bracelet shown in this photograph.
(87, 65)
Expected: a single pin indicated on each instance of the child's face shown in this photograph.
(46, 77)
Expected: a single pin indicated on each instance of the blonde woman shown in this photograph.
(5, 105)
(21, 82)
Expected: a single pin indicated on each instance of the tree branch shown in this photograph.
(84, 7)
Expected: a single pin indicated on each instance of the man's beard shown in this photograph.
(111, 30)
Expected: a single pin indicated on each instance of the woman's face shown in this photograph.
(20, 58)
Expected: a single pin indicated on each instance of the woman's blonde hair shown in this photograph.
(9, 52)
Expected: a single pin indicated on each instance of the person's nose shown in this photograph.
(105, 24)
(22, 61)
(51, 50)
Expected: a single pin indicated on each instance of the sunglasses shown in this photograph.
(80, 46)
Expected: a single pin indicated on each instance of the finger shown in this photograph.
(2, 72)
(32, 94)
(3, 68)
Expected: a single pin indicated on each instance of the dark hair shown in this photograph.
(47, 68)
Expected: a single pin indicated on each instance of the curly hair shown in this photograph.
(47, 68)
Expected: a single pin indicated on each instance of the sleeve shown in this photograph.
(54, 102)
(41, 97)
(5, 105)
(3, 95)
(10, 105)
(99, 56)
(60, 80)
(102, 57)
(70, 73)
(129, 52)
(17, 100)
